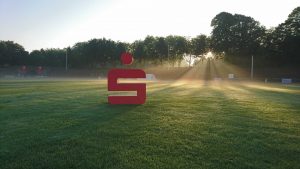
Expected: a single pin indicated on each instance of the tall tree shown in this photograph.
(178, 46)
(162, 49)
(200, 45)
(238, 36)
(138, 51)
(12, 53)
(286, 39)
(150, 49)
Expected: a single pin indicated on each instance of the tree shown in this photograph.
(178, 45)
(12, 53)
(200, 45)
(238, 36)
(150, 49)
(96, 52)
(138, 51)
(162, 49)
(47, 57)
(285, 40)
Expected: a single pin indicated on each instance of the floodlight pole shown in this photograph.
(168, 55)
(252, 67)
(66, 59)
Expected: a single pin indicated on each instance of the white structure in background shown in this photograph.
(150, 77)
(218, 79)
(286, 81)
(231, 76)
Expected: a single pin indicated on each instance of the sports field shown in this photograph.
(68, 124)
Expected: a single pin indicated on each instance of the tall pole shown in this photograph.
(252, 67)
(168, 55)
(66, 59)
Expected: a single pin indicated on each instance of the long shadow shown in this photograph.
(289, 99)
(216, 71)
(239, 127)
(165, 92)
(207, 75)
(246, 130)
(183, 73)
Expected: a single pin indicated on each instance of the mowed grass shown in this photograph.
(69, 124)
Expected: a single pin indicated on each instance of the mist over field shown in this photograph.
(149, 84)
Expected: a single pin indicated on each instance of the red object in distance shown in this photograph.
(126, 58)
(39, 70)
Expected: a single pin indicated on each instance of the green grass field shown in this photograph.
(68, 124)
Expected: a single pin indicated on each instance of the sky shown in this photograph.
(37, 24)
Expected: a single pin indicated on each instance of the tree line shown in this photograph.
(234, 37)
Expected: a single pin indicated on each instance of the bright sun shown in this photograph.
(209, 55)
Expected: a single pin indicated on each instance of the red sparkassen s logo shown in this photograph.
(113, 85)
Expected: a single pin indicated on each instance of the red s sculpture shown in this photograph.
(113, 84)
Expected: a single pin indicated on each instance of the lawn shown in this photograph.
(68, 124)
